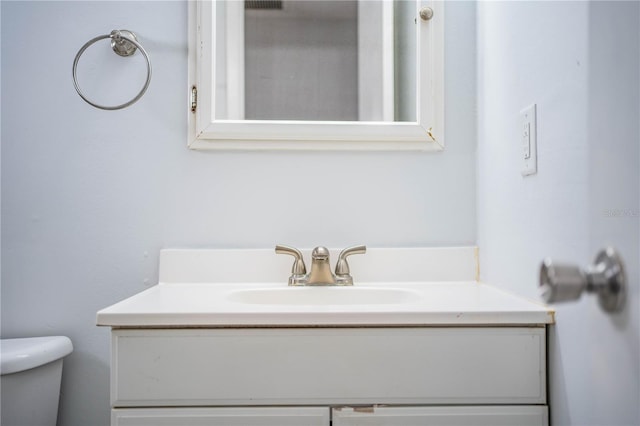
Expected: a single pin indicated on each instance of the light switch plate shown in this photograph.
(528, 140)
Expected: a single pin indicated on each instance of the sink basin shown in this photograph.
(324, 296)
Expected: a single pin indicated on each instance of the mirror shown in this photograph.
(340, 60)
(316, 74)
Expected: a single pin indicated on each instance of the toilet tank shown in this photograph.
(31, 371)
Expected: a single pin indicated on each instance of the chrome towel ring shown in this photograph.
(124, 43)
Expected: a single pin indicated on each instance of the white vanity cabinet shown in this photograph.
(305, 376)
(216, 343)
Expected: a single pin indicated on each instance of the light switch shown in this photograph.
(528, 140)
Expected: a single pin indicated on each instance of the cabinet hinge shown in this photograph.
(194, 98)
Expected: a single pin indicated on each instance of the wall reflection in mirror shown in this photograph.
(338, 60)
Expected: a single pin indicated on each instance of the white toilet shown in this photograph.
(31, 370)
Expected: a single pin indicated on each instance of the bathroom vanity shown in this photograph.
(216, 344)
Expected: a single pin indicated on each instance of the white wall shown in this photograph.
(578, 61)
(89, 197)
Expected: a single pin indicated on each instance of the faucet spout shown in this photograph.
(320, 273)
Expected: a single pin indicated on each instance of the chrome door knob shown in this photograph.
(561, 282)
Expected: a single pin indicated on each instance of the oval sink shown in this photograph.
(323, 296)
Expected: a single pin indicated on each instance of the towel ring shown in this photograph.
(124, 43)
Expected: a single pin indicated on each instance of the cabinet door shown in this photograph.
(224, 416)
(533, 415)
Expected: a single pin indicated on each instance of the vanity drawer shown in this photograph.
(328, 366)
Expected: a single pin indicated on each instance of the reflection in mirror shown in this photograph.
(340, 60)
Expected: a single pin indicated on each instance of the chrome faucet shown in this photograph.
(320, 273)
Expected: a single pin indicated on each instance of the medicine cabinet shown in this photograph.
(316, 75)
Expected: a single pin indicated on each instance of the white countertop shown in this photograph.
(418, 286)
(457, 303)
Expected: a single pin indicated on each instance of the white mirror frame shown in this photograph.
(426, 134)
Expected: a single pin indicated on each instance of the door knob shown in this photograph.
(561, 282)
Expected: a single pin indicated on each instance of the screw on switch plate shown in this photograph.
(528, 139)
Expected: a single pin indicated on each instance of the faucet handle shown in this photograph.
(299, 267)
(342, 267)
